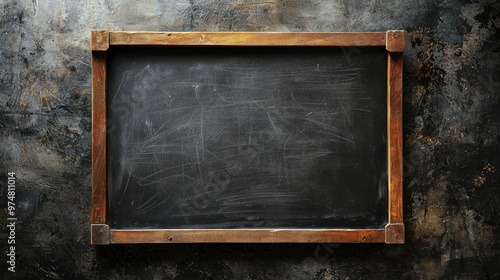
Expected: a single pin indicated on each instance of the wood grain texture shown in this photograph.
(99, 234)
(99, 40)
(360, 39)
(98, 137)
(396, 41)
(395, 131)
(395, 233)
(247, 236)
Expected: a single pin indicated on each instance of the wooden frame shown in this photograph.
(393, 41)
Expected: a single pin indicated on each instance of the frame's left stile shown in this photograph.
(99, 43)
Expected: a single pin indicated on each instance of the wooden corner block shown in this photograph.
(99, 40)
(99, 234)
(395, 233)
(395, 41)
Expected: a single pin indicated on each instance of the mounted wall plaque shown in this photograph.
(247, 137)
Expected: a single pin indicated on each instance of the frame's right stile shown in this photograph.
(395, 45)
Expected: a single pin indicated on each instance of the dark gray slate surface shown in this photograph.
(247, 138)
(452, 135)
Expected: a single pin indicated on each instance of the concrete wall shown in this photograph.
(451, 128)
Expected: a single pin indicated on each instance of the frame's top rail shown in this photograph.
(102, 39)
(248, 39)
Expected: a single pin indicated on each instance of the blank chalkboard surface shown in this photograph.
(250, 137)
(247, 137)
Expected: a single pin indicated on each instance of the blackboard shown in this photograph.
(246, 138)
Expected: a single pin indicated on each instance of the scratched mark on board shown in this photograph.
(235, 141)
